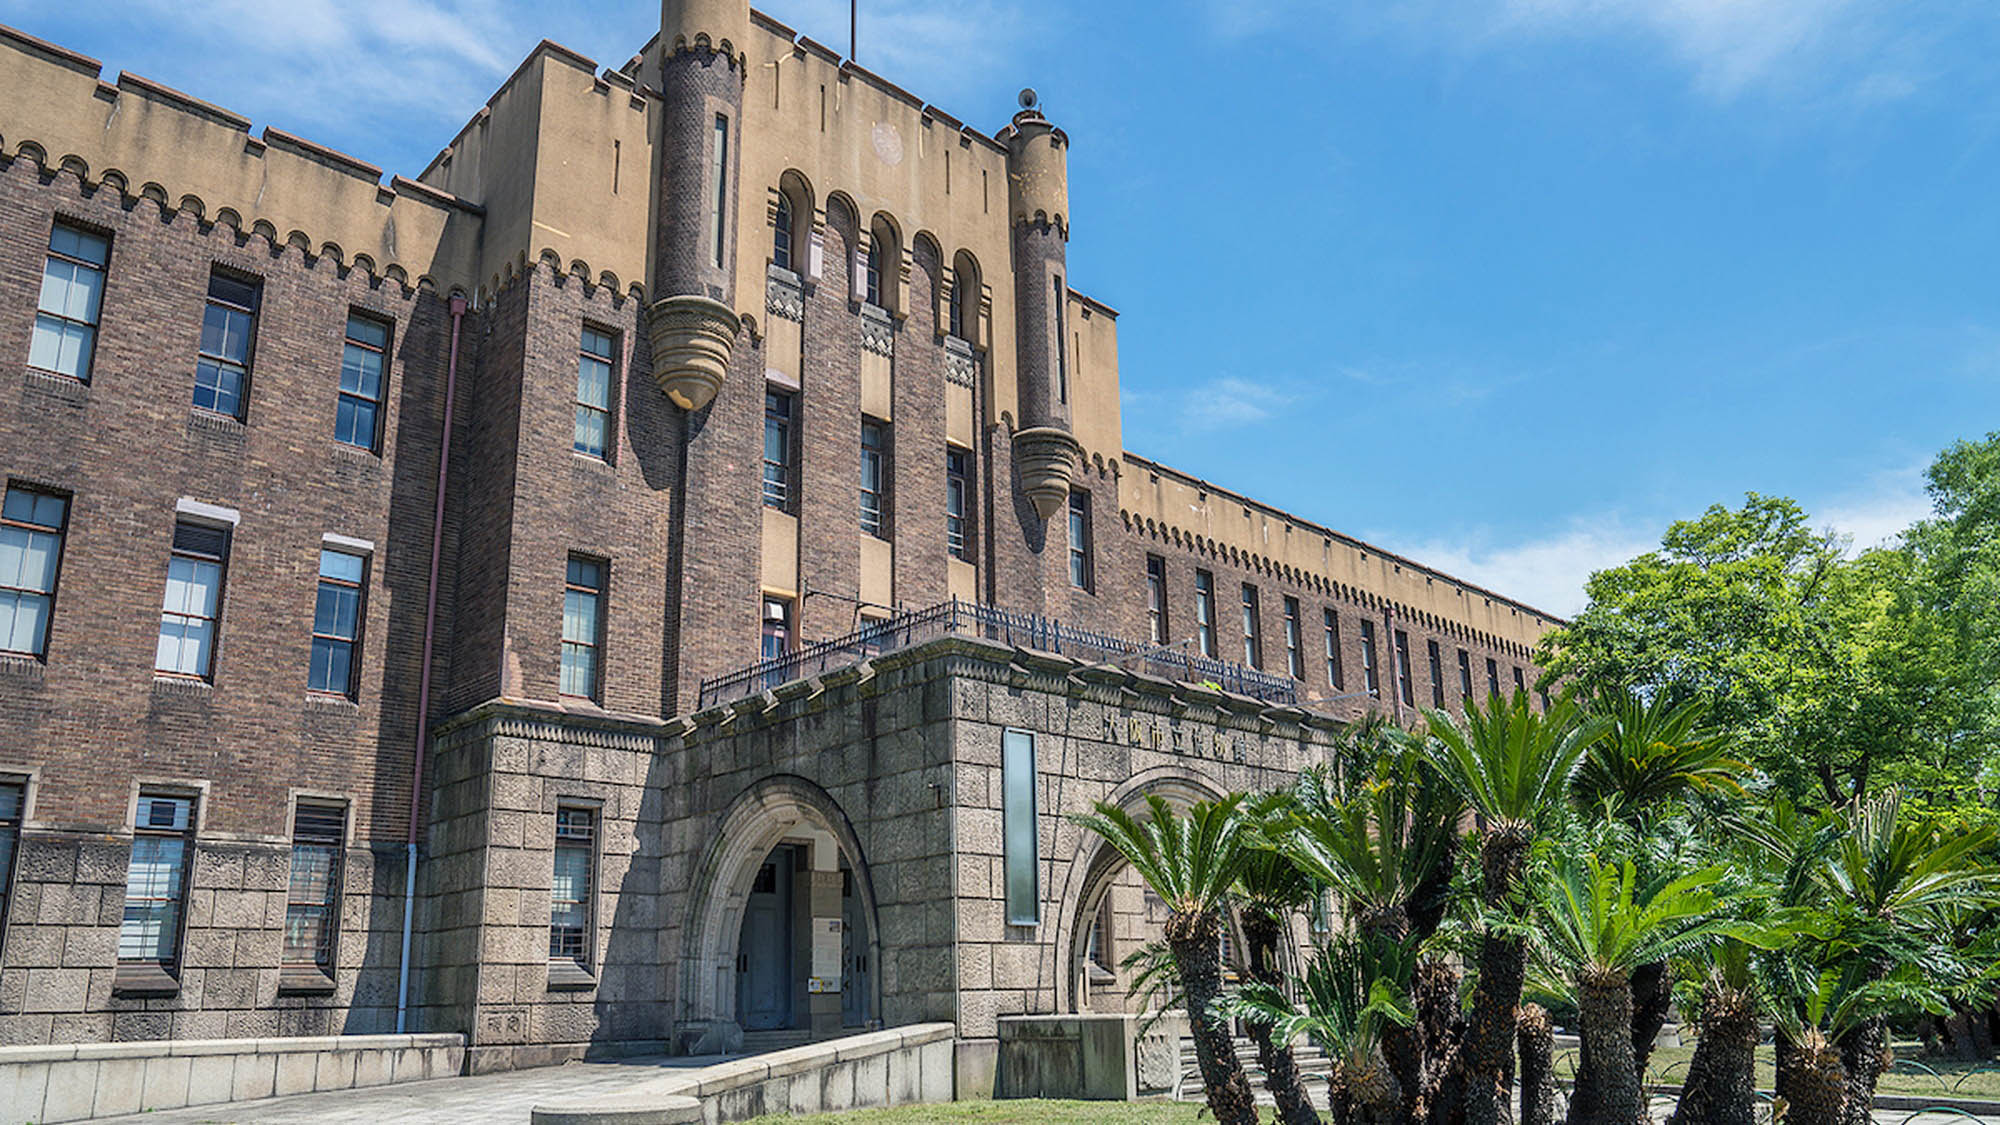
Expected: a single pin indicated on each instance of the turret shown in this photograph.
(692, 322)
(1038, 208)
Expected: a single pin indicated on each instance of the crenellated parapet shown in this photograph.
(56, 111)
(722, 26)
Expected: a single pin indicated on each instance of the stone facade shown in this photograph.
(923, 288)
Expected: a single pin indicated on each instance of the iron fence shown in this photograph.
(1027, 630)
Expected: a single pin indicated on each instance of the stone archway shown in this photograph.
(790, 811)
(1098, 866)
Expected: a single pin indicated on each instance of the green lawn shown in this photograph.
(1954, 1079)
(1022, 1111)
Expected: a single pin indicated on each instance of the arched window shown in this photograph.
(884, 264)
(781, 233)
(874, 290)
(956, 320)
(962, 313)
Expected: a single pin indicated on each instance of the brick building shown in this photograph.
(619, 587)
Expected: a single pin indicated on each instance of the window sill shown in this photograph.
(134, 979)
(568, 976)
(208, 423)
(330, 704)
(593, 461)
(304, 980)
(184, 687)
(66, 387)
(359, 453)
(23, 666)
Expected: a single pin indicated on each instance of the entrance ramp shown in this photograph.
(898, 1066)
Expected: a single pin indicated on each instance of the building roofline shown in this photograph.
(1132, 458)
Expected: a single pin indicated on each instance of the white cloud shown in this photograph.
(1549, 571)
(1230, 401)
(1872, 50)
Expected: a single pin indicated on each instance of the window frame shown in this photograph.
(584, 960)
(1464, 675)
(1020, 853)
(1082, 571)
(613, 344)
(1520, 683)
(1436, 656)
(1204, 615)
(881, 452)
(103, 269)
(1295, 660)
(780, 409)
(153, 973)
(354, 650)
(1406, 688)
(1371, 660)
(958, 524)
(595, 645)
(1336, 672)
(1253, 628)
(718, 188)
(1492, 678)
(248, 365)
(781, 231)
(221, 563)
(10, 843)
(61, 533)
(1156, 600)
(296, 972)
(378, 403)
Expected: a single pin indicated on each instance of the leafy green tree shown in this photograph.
(1354, 989)
(1191, 861)
(1512, 766)
(1270, 891)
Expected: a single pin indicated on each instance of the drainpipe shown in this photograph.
(424, 675)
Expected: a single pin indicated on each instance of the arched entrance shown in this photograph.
(1108, 913)
(782, 934)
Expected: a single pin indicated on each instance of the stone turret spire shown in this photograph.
(1038, 208)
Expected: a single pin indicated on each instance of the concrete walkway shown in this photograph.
(504, 1098)
(507, 1099)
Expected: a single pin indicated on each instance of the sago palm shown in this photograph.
(1598, 921)
(1353, 991)
(1269, 892)
(1512, 766)
(1190, 861)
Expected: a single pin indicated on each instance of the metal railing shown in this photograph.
(1027, 630)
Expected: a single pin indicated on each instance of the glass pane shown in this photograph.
(80, 244)
(583, 572)
(56, 278)
(341, 565)
(597, 343)
(354, 422)
(590, 431)
(222, 287)
(1018, 827)
(152, 898)
(45, 348)
(191, 586)
(593, 383)
(579, 670)
(368, 331)
(11, 797)
(361, 372)
(73, 355)
(24, 622)
(214, 328)
(86, 293)
(579, 617)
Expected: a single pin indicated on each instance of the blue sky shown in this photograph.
(1503, 284)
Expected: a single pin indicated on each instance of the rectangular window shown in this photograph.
(1519, 684)
(1156, 598)
(1335, 674)
(1079, 540)
(193, 602)
(1204, 612)
(1464, 675)
(1295, 659)
(958, 503)
(777, 627)
(875, 478)
(1437, 674)
(1253, 634)
(1371, 673)
(1017, 783)
(13, 809)
(228, 332)
(65, 336)
(777, 450)
(31, 541)
(1404, 689)
(156, 881)
(1492, 676)
(1062, 338)
(593, 393)
(357, 420)
(312, 906)
(571, 889)
(336, 639)
(718, 185)
(583, 627)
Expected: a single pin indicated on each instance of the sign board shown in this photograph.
(825, 956)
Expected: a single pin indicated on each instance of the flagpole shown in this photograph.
(853, 19)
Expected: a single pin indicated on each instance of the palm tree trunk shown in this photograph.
(1281, 1071)
(1815, 1090)
(1489, 1031)
(1721, 1083)
(1864, 1055)
(1604, 1003)
(1440, 1027)
(1585, 1091)
(1652, 1000)
(1402, 1047)
(1538, 1049)
(1196, 945)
